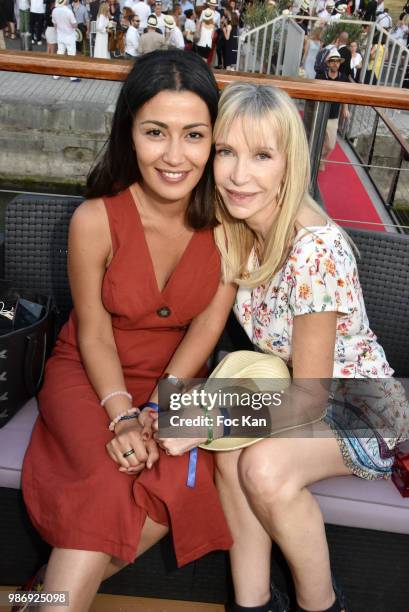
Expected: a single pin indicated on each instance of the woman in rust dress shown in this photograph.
(145, 280)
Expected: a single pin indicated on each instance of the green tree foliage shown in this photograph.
(334, 29)
(262, 12)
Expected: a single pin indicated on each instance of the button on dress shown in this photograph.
(74, 493)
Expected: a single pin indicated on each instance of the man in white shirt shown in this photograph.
(212, 4)
(159, 16)
(141, 9)
(173, 35)
(325, 15)
(37, 11)
(384, 20)
(132, 37)
(65, 25)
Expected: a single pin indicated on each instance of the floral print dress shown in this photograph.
(320, 275)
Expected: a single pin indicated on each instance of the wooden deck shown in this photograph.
(122, 603)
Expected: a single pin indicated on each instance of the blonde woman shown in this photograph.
(101, 39)
(312, 44)
(299, 298)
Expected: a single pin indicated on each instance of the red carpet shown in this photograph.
(344, 195)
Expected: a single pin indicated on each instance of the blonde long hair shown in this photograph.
(103, 9)
(263, 110)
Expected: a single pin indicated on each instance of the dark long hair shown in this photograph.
(117, 168)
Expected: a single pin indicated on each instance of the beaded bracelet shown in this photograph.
(114, 394)
(119, 417)
(151, 406)
(127, 417)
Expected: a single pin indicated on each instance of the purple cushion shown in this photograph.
(354, 502)
(345, 500)
(14, 439)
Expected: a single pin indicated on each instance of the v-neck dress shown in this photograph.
(74, 493)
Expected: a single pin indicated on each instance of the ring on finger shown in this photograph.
(128, 453)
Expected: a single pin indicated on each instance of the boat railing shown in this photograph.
(365, 99)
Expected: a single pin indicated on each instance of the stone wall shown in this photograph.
(50, 144)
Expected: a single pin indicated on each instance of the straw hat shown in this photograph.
(60, 2)
(305, 6)
(169, 22)
(341, 8)
(267, 373)
(330, 4)
(78, 34)
(152, 21)
(208, 15)
(334, 54)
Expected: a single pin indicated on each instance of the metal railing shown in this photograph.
(276, 47)
(383, 151)
(265, 48)
(321, 92)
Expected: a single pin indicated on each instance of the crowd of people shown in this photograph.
(127, 28)
(353, 47)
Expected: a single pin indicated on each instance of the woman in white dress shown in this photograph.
(101, 39)
(311, 47)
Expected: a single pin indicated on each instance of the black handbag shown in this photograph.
(23, 351)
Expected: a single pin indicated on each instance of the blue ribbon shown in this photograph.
(191, 471)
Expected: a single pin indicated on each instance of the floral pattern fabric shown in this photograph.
(320, 275)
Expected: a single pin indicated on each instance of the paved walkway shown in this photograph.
(44, 89)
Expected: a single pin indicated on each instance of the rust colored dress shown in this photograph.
(74, 493)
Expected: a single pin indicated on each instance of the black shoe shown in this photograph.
(341, 599)
(339, 604)
(280, 601)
